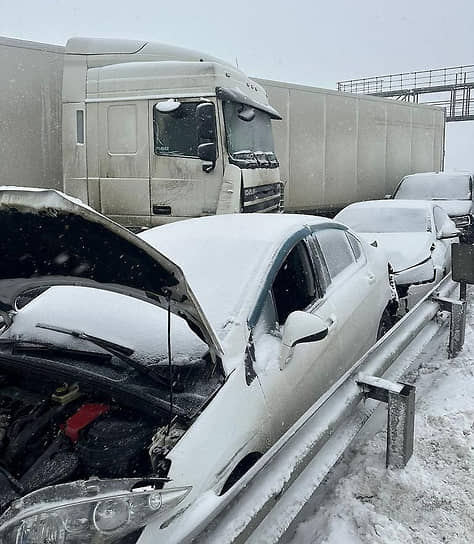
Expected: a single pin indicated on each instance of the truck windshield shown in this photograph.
(249, 140)
(175, 132)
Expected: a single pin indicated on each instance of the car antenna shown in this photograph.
(170, 367)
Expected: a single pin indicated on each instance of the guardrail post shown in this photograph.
(400, 398)
(457, 327)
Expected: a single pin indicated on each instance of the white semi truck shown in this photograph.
(153, 133)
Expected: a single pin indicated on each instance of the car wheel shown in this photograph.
(385, 324)
(245, 464)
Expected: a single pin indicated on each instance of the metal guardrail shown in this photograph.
(261, 507)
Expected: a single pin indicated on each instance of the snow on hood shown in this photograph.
(111, 316)
(455, 208)
(404, 249)
(50, 239)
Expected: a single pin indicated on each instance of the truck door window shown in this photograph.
(175, 132)
(294, 287)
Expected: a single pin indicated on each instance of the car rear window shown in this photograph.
(433, 187)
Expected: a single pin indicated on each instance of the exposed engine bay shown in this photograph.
(51, 435)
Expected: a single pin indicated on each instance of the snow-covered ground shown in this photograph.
(431, 501)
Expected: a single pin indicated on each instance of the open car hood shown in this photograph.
(48, 238)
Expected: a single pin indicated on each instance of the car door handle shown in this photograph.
(331, 322)
(371, 277)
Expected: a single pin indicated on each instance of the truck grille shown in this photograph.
(263, 198)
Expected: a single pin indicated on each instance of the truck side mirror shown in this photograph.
(207, 137)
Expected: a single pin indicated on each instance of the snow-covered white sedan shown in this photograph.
(140, 377)
(417, 236)
(450, 190)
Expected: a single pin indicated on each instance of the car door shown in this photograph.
(292, 382)
(353, 291)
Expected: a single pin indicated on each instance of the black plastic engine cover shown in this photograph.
(112, 447)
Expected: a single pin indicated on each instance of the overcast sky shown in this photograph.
(311, 42)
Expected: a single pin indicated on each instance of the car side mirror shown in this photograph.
(387, 197)
(447, 231)
(207, 137)
(301, 328)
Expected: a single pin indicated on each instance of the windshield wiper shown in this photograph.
(121, 352)
(35, 346)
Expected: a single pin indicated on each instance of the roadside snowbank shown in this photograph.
(432, 500)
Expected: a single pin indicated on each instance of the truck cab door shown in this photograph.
(123, 163)
(181, 184)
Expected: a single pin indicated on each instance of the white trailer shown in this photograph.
(337, 148)
(30, 113)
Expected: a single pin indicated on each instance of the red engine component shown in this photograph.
(83, 417)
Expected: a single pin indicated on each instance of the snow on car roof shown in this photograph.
(262, 226)
(439, 176)
(224, 257)
(420, 204)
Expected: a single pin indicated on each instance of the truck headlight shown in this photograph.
(87, 511)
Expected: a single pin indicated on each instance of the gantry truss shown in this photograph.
(451, 88)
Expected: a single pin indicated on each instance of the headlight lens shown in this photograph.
(92, 511)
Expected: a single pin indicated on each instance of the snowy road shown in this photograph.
(432, 500)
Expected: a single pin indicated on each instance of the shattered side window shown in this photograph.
(294, 287)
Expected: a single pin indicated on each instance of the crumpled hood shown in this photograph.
(455, 208)
(51, 239)
(404, 249)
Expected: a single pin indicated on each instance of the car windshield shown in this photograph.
(253, 135)
(426, 187)
(377, 220)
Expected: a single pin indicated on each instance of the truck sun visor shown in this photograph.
(236, 95)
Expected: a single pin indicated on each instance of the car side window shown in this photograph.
(294, 287)
(355, 245)
(337, 250)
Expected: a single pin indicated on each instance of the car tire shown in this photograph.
(385, 324)
(242, 467)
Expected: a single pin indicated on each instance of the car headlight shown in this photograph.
(87, 511)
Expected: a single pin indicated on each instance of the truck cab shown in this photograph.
(153, 134)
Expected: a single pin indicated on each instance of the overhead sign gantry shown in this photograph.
(451, 88)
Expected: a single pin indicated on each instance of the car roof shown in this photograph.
(226, 258)
(265, 227)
